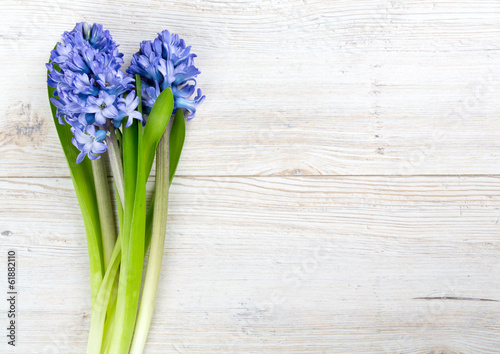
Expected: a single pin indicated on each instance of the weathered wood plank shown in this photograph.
(295, 87)
(280, 264)
(283, 264)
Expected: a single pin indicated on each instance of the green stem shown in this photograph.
(111, 310)
(176, 140)
(177, 131)
(105, 207)
(116, 164)
(133, 235)
(98, 314)
(110, 319)
(156, 250)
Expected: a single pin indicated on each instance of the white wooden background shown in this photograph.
(339, 190)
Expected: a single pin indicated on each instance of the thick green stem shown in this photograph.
(115, 161)
(110, 319)
(100, 306)
(111, 310)
(133, 235)
(108, 230)
(156, 250)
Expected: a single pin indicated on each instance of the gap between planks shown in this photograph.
(474, 175)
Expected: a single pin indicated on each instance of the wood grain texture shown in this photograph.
(297, 87)
(282, 264)
(338, 190)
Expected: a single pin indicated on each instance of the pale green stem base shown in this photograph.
(98, 315)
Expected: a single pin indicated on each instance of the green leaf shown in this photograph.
(156, 125)
(83, 182)
(176, 142)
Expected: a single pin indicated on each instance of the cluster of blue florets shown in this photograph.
(91, 92)
(93, 95)
(167, 62)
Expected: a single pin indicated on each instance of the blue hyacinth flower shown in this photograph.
(167, 62)
(89, 86)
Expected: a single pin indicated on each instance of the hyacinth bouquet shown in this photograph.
(101, 112)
